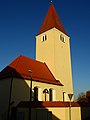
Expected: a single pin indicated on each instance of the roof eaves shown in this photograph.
(50, 29)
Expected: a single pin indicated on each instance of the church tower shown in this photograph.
(53, 48)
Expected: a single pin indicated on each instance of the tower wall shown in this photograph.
(56, 54)
(62, 61)
(45, 49)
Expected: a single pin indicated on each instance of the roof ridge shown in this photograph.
(52, 74)
(49, 70)
(32, 59)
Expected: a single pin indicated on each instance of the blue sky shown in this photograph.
(20, 21)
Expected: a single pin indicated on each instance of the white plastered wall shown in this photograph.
(58, 90)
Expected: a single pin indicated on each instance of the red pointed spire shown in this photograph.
(51, 20)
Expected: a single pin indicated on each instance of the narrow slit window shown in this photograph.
(50, 95)
(35, 94)
(44, 38)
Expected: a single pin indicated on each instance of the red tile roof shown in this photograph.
(20, 66)
(40, 104)
(51, 20)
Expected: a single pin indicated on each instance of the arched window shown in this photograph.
(52, 94)
(45, 92)
(65, 96)
(37, 93)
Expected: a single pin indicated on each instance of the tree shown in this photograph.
(82, 97)
(83, 100)
(88, 95)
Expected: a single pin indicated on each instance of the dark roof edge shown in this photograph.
(50, 29)
(52, 82)
(41, 104)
